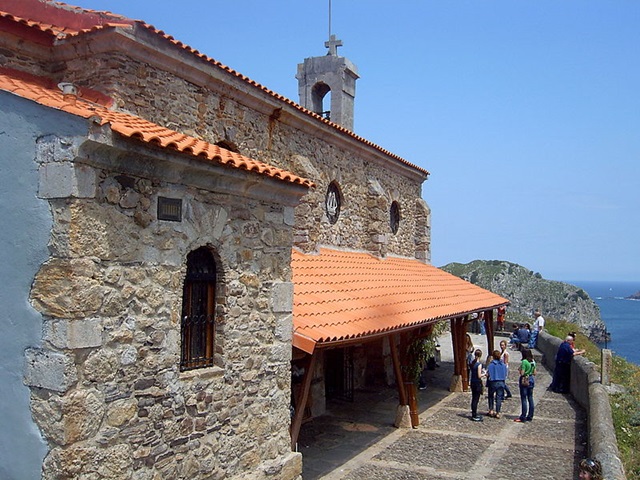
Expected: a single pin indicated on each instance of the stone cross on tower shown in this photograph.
(332, 44)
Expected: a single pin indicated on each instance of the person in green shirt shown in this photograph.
(527, 382)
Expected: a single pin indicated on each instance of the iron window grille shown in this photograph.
(197, 329)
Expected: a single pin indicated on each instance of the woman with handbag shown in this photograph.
(526, 383)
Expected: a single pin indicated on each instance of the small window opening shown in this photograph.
(394, 217)
(197, 329)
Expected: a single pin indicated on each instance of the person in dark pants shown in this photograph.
(562, 371)
(497, 374)
(528, 371)
(476, 384)
(521, 337)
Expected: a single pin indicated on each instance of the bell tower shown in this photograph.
(327, 85)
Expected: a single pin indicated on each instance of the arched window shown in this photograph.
(320, 105)
(394, 217)
(333, 202)
(197, 330)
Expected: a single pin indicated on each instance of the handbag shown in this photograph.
(524, 380)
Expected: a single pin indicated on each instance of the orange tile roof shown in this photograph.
(284, 99)
(41, 91)
(351, 296)
(102, 19)
(55, 30)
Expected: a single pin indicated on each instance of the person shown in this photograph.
(504, 356)
(572, 342)
(475, 324)
(590, 469)
(469, 348)
(483, 328)
(562, 371)
(513, 339)
(522, 336)
(538, 326)
(502, 311)
(477, 374)
(527, 370)
(497, 374)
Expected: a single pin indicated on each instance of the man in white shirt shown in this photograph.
(538, 326)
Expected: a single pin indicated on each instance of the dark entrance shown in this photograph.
(338, 374)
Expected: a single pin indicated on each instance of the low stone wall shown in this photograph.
(587, 390)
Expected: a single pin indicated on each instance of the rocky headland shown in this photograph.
(528, 291)
(635, 296)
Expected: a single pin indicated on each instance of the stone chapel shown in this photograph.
(193, 264)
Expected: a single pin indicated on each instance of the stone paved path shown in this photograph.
(357, 441)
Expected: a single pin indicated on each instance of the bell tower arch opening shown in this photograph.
(327, 85)
(321, 99)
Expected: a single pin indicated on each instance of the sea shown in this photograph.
(620, 315)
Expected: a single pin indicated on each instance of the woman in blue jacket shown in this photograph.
(497, 375)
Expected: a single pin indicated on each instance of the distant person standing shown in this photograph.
(475, 324)
(502, 311)
(504, 356)
(538, 326)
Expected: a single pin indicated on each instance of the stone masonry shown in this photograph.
(106, 389)
(369, 181)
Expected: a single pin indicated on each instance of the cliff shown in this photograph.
(527, 291)
(635, 296)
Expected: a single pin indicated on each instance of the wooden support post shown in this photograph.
(459, 355)
(397, 368)
(302, 401)
(488, 321)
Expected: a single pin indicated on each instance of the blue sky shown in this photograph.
(526, 113)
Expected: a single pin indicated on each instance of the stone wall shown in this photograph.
(106, 389)
(218, 113)
(586, 388)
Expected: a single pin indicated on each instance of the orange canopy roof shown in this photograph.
(342, 297)
(91, 104)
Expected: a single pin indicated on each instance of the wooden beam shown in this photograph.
(301, 402)
(463, 356)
